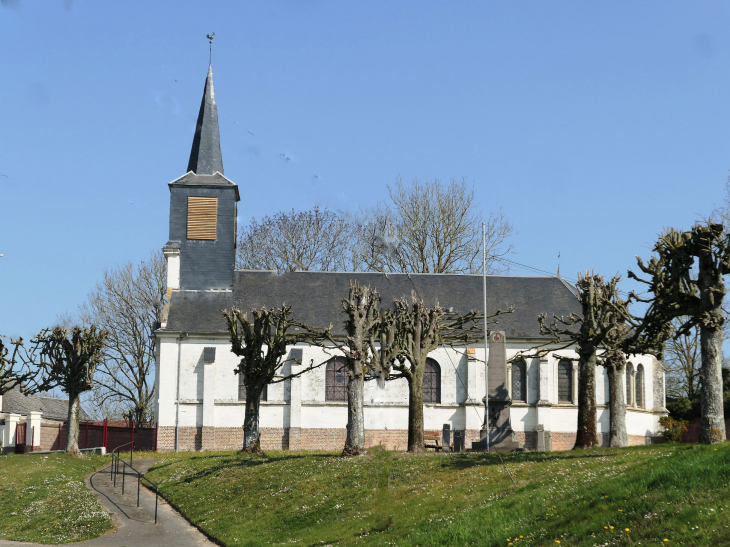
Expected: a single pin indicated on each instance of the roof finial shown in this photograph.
(210, 53)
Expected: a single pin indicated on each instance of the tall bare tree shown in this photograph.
(298, 240)
(127, 303)
(69, 361)
(682, 361)
(677, 292)
(261, 342)
(430, 227)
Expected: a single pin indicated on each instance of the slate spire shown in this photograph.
(205, 157)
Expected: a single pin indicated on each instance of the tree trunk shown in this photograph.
(72, 439)
(355, 441)
(617, 408)
(711, 402)
(251, 433)
(586, 436)
(415, 412)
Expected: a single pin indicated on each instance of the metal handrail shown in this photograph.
(114, 469)
(131, 457)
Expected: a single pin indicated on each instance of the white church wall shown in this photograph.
(386, 409)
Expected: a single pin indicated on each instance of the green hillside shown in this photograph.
(649, 495)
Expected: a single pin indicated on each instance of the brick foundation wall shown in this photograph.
(231, 438)
(563, 440)
(527, 438)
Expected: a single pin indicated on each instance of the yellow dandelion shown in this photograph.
(605, 527)
(611, 527)
(521, 537)
(620, 510)
(557, 541)
(627, 529)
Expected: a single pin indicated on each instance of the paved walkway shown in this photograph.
(135, 525)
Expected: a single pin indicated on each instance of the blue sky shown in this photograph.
(592, 125)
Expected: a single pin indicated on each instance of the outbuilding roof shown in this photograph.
(50, 408)
(315, 298)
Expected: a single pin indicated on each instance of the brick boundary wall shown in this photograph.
(231, 438)
(692, 435)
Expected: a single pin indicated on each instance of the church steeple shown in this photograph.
(205, 156)
(201, 251)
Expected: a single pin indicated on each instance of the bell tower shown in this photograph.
(201, 250)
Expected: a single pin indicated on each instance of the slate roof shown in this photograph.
(50, 408)
(205, 155)
(315, 298)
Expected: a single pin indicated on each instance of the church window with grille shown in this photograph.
(629, 378)
(639, 383)
(336, 379)
(519, 381)
(242, 390)
(565, 381)
(432, 382)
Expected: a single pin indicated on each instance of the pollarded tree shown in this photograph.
(261, 342)
(588, 333)
(613, 359)
(362, 318)
(408, 334)
(10, 366)
(677, 293)
(69, 361)
(621, 340)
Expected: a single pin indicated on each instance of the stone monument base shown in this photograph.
(501, 436)
(499, 441)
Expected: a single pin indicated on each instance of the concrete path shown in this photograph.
(135, 526)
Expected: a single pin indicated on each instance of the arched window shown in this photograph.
(639, 383)
(565, 381)
(629, 381)
(519, 381)
(432, 382)
(242, 390)
(335, 383)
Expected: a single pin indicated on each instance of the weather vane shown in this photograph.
(210, 41)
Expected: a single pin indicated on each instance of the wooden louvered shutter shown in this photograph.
(202, 217)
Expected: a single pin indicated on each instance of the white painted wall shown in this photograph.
(385, 408)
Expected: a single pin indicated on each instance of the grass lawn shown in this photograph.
(636, 496)
(44, 499)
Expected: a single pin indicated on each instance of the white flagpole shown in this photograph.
(486, 346)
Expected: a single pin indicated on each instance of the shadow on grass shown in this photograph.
(239, 461)
(468, 461)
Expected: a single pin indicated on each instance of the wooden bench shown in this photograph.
(433, 439)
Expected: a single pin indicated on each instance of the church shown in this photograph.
(200, 404)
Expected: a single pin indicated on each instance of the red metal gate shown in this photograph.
(20, 438)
